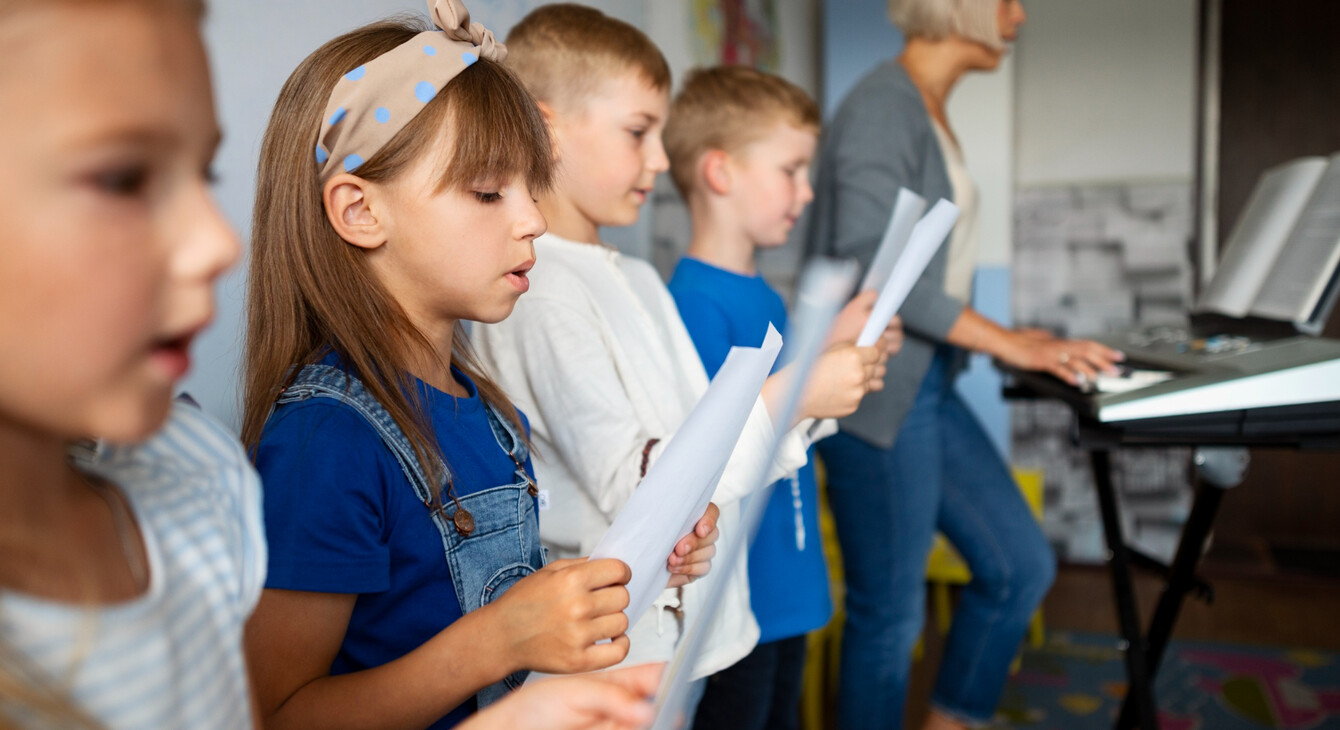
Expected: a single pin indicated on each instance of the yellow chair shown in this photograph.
(944, 568)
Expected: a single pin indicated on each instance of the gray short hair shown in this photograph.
(974, 20)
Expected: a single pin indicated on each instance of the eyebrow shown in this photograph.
(650, 118)
(142, 137)
(128, 135)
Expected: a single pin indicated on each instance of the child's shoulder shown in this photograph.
(700, 280)
(197, 494)
(318, 424)
(192, 459)
(190, 443)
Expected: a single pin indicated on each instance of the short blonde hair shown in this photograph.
(974, 20)
(726, 108)
(563, 52)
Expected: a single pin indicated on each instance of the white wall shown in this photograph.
(981, 111)
(1106, 91)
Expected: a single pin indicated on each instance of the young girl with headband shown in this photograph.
(407, 582)
(129, 563)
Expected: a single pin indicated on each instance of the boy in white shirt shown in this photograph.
(595, 352)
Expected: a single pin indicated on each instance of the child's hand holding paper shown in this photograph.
(852, 319)
(692, 557)
(926, 238)
(841, 378)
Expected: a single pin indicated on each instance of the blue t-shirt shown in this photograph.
(788, 586)
(341, 517)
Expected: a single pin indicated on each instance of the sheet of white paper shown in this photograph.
(1132, 380)
(825, 285)
(906, 210)
(678, 486)
(927, 236)
(1300, 277)
(1259, 235)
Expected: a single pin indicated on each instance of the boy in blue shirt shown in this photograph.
(740, 143)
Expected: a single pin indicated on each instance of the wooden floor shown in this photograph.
(1276, 610)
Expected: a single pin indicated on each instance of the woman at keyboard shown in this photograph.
(913, 459)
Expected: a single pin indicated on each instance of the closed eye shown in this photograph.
(487, 197)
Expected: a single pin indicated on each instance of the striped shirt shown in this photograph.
(171, 658)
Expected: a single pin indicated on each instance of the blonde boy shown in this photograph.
(740, 143)
(596, 353)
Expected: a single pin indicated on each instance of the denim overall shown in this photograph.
(504, 545)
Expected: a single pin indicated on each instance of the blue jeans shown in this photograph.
(941, 473)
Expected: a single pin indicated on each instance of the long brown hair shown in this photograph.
(309, 290)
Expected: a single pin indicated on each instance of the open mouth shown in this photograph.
(518, 277)
(173, 354)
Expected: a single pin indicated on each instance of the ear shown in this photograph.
(550, 117)
(350, 213)
(715, 168)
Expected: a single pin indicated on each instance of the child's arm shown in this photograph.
(615, 700)
(839, 380)
(553, 356)
(549, 621)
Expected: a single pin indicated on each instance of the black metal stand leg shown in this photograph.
(1181, 580)
(1140, 689)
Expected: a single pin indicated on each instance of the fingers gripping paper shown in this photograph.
(678, 487)
(927, 236)
(825, 286)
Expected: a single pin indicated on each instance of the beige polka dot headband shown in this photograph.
(373, 102)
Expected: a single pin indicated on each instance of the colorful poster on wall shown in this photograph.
(737, 32)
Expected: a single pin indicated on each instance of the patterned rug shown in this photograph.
(1076, 681)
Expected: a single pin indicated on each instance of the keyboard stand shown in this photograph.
(1221, 460)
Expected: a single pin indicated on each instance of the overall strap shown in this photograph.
(325, 381)
(504, 432)
(483, 564)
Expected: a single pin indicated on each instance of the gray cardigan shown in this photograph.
(881, 139)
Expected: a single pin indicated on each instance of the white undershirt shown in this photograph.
(962, 257)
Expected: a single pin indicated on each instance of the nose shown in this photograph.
(806, 192)
(1020, 15)
(530, 223)
(209, 246)
(657, 161)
